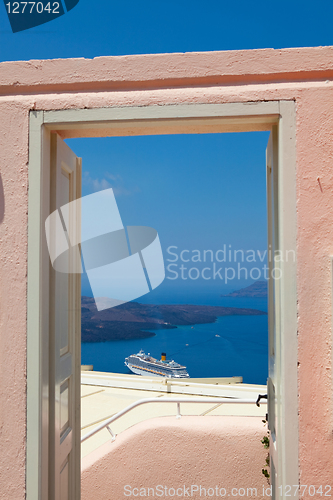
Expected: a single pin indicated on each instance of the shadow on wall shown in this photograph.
(2, 201)
(223, 451)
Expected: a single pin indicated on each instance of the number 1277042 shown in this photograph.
(32, 7)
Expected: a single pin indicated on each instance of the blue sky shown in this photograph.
(106, 27)
(197, 191)
(200, 192)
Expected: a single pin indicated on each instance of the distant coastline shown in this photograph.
(134, 320)
(258, 289)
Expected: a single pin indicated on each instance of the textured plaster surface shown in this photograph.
(315, 246)
(208, 451)
(164, 70)
(304, 75)
(13, 287)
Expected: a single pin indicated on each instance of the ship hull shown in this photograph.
(142, 371)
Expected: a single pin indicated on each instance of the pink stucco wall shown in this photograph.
(305, 75)
(13, 289)
(210, 452)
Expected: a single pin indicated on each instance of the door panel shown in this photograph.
(64, 487)
(65, 333)
(273, 310)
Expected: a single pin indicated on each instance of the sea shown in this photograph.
(232, 346)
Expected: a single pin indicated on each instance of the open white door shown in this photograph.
(282, 311)
(274, 351)
(65, 337)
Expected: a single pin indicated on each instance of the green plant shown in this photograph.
(265, 442)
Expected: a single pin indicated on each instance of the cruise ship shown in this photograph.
(143, 364)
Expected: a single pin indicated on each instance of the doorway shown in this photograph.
(275, 116)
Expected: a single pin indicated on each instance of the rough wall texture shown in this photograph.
(167, 70)
(13, 287)
(202, 451)
(305, 75)
(315, 246)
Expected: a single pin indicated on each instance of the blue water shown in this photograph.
(241, 348)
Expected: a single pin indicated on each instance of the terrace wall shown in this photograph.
(304, 75)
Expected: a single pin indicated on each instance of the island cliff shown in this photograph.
(133, 320)
(258, 289)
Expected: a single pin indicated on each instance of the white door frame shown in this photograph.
(154, 120)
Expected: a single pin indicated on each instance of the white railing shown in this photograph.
(178, 401)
